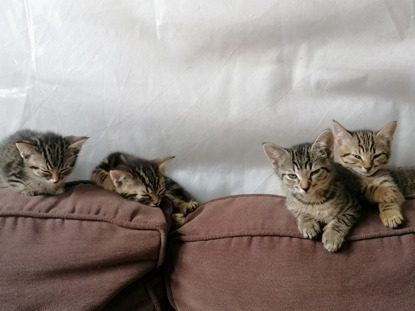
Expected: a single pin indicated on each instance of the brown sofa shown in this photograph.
(88, 249)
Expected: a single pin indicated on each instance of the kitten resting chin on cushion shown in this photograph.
(316, 190)
(143, 181)
(35, 163)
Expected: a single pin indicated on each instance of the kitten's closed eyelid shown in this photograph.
(377, 155)
(65, 171)
(357, 156)
(315, 172)
(292, 176)
(34, 167)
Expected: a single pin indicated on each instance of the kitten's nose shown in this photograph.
(367, 168)
(305, 188)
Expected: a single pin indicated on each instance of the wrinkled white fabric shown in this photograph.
(207, 81)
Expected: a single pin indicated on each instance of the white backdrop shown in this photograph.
(206, 80)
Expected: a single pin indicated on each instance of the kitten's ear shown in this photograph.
(162, 164)
(75, 143)
(386, 133)
(342, 136)
(324, 143)
(26, 149)
(275, 154)
(125, 157)
(120, 177)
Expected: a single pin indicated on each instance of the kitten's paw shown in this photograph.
(192, 207)
(178, 219)
(332, 240)
(309, 229)
(188, 207)
(60, 190)
(391, 218)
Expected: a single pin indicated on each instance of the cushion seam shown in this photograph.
(287, 235)
(236, 196)
(124, 224)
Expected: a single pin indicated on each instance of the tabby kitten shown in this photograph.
(366, 154)
(315, 193)
(143, 181)
(35, 163)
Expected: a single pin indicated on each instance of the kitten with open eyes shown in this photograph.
(35, 163)
(365, 153)
(143, 181)
(315, 189)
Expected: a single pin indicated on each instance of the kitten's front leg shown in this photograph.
(181, 210)
(333, 236)
(308, 227)
(389, 199)
(390, 214)
(23, 189)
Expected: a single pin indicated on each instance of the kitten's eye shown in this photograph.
(64, 172)
(292, 176)
(357, 156)
(46, 174)
(377, 155)
(34, 167)
(315, 172)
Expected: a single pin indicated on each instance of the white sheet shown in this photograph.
(206, 81)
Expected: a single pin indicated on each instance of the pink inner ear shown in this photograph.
(118, 177)
(274, 162)
(339, 141)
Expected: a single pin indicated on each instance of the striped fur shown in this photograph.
(315, 191)
(143, 181)
(35, 163)
(365, 153)
(404, 177)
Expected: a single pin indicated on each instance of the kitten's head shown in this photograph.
(140, 180)
(50, 157)
(305, 169)
(363, 151)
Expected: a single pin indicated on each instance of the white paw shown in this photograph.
(332, 240)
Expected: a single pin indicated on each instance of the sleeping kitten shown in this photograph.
(366, 154)
(314, 190)
(35, 163)
(143, 181)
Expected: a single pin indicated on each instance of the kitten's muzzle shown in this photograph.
(305, 189)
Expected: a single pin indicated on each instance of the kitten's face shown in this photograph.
(305, 169)
(363, 151)
(50, 163)
(144, 184)
(136, 190)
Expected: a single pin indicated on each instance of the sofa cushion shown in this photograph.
(245, 253)
(82, 250)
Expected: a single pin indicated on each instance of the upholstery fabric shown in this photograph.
(245, 253)
(84, 250)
